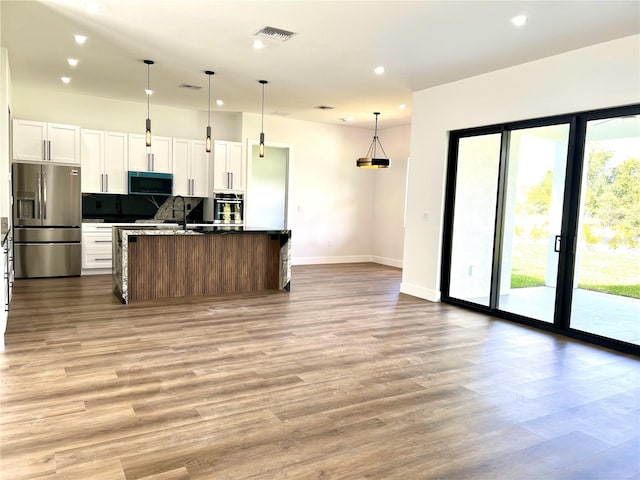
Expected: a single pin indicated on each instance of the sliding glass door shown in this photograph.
(536, 165)
(473, 225)
(606, 300)
(542, 224)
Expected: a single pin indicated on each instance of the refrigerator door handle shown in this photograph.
(44, 195)
(39, 203)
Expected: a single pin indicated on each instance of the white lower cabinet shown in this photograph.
(96, 248)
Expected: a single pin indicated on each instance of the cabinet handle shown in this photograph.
(104, 241)
(102, 182)
(106, 179)
(153, 162)
(49, 148)
(103, 259)
(44, 149)
(231, 179)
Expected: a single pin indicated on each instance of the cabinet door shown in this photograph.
(161, 148)
(115, 162)
(220, 177)
(91, 156)
(138, 158)
(64, 146)
(181, 159)
(235, 166)
(199, 169)
(28, 140)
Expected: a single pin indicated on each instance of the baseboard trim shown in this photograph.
(326, 260)
(420, 292)
(96, 271)
(390, 262)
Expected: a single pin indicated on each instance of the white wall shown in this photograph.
(603, 75)
(121, 116)
(330, 200)
(5, 103)
(389, 197)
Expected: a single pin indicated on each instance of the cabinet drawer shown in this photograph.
(100, 239)
(96, 260)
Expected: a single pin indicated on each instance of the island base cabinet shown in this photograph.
(188, 265)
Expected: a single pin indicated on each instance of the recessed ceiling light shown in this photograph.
(519, 20)
(379, 70)
(65, 79)
(72, 61)
(402, 106)
(257, 43)
(148, 92)
(80, 39)
(93, 7)
(219, 102)
(347, 119)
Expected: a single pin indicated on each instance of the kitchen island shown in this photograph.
(158, 262)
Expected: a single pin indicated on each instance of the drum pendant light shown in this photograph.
(147, 132)
(208, 141)
(370, 160)
(263, 83)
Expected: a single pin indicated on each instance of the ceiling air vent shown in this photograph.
(275, 34)
(324, 107)
(189, 86)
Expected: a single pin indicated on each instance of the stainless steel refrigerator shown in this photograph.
(47, 220)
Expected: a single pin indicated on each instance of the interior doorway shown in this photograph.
(266, 201)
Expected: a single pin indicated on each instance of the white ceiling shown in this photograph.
(329, 61)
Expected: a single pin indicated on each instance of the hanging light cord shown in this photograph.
(148, 90)
(209, 118)
(371, 153)
(262, 113)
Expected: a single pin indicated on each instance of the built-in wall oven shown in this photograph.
(228, 208)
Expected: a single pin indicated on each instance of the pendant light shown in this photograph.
(263, 83)
(147, 132)
(370, 160)
(208, 141)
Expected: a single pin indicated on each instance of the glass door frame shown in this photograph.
(569, 225)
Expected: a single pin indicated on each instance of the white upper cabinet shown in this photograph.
(228, 167)
(200, 162)
(157, 158)
(190, 168)
(104, 161)
(46, 142)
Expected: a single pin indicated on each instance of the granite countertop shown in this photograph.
(194, 230)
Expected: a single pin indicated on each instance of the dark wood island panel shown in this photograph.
(163, 266)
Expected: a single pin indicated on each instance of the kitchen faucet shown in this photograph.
(184, 209)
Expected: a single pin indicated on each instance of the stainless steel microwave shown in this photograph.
(150, 183)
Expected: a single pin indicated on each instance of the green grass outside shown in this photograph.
(612, 271)
(522, 281)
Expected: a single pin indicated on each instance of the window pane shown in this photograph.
(606, 295)
(474, 218)
(532, 219)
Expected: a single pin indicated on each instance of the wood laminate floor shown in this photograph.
(343, 378)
